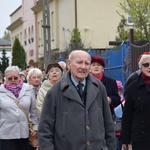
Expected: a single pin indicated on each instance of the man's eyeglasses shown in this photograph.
(12, 78)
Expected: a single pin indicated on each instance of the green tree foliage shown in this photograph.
(7, 35)
(4, 61)
(75, 42)
(123, 34)
(18, 55)
(139, 11)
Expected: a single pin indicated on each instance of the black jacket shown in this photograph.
(135, 120)
(133, 76)
(112, 92)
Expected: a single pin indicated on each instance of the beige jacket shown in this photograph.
(46, 85)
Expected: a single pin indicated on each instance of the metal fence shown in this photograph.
(136, 49)
(115, 65)
(121, 62)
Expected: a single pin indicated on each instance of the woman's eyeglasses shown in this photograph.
(146, 65)
(55, 69)
(12, 78)
(36, 77)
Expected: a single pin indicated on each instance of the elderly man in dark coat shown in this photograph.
(71, 120)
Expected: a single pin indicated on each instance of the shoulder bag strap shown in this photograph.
(122, 106)
(22, 109)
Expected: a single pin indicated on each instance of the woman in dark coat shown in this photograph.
(97, 70)
(135, 120)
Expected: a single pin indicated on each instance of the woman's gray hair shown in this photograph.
(142, 60)
(34, 70)
(12, 68)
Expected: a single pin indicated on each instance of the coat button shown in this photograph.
(87, 127)
(88, 143)
(141, 109)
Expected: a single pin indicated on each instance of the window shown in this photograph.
(29, 34)
(25, 37)
(129, 20)
(52, 26)
(21, 36)
(41, 31)
(32, 34)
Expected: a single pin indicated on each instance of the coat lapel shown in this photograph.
(69, 90)
(8, 93)
(72, 94)
(92, 92)
(22, 93)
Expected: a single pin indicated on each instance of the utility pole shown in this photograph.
(46, 33)
(131, 39)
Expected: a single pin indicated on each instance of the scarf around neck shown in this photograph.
(14, 89)
(146, 79)
(98, 77)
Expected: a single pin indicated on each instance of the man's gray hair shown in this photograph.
(74, 51)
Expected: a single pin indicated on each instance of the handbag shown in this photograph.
(32, 140)
(117, 121)
(117, 124)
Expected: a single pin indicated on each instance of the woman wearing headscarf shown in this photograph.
(54, 73)
(14, 131)
(97, 70)
(135, 120)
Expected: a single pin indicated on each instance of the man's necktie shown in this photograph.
(80, 86)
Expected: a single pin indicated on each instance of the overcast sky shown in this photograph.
(6, 8)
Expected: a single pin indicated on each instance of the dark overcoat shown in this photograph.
(67, 124)
(135, 121)
(112, 92)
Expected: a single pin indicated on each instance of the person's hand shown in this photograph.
(34, 134)
(126, 147)
(109, 100)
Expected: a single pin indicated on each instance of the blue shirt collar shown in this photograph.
(76, 83)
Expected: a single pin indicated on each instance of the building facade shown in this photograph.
(96, 20)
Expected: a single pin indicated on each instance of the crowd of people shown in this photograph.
(73, 105)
